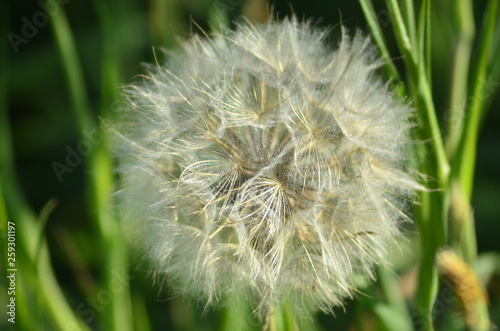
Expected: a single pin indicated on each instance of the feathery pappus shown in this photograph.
(263, 164)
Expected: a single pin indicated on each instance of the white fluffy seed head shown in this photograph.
(261, 164)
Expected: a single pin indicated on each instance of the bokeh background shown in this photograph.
(44, 128)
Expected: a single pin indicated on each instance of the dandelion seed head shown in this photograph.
(262, 163)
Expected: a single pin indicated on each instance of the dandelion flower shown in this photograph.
(265, 165)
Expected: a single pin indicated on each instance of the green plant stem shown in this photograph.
(418, 74)
(401, 32)
(117, 261)
(433, 224)
(464, 22)
(424, 39)
(409, 18)
(464, 163)
(372, 20)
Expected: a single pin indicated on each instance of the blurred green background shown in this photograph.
(44, 128)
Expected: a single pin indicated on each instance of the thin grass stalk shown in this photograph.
(409, 18)
(433, 224)
(464, 22)
(417, 79)
(401, 32)
(376, 31)
(424, 104)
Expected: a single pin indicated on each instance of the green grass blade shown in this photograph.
(116, 264)
(141, 318)
(464, 164)
(401, 33)
(433, 224)
(409, 17)
(110, 61)
(118, 313)
(42, 281)
(424, 38)
(74, 74)
(378, 37)
(419, 84)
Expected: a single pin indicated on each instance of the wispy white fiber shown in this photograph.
(265, 165)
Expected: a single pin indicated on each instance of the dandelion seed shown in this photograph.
(263, 164)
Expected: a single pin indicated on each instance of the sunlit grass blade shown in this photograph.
(402, 37)
(53, 299)
(409, 18)
(417, 80)
(424, 39)
(41, 223)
